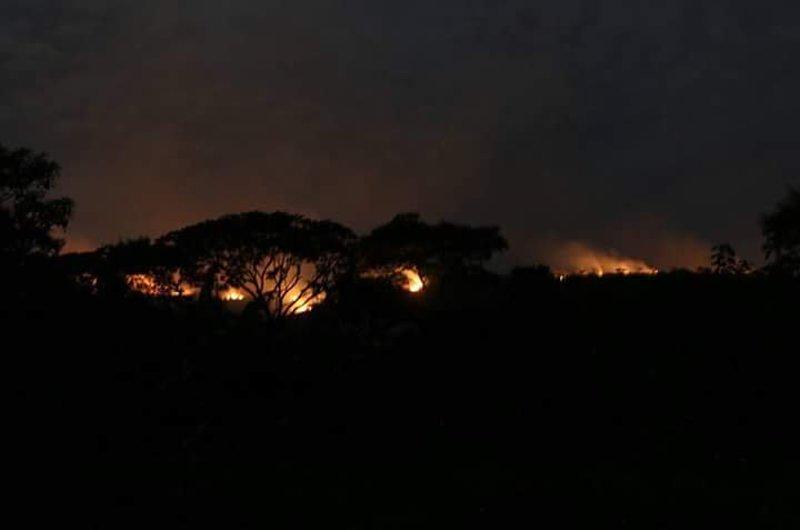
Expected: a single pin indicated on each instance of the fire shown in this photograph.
(297, 300)
(408, 279)
(300, 302)
(413, 281)
(142, 283)
(623, 268)
(147, 285)
(580, 259)
(232, 295)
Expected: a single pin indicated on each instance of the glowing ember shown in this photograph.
(142, 283)
(413, 281)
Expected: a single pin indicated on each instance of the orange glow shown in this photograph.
(583, 260)
(303, 303)
(142, 283)
(624, 268)
(232, 295)
(413, 281)
(147, 285)
(299, 302)
(296, 302)
(408, 279)
(613, 265)
(600, 272)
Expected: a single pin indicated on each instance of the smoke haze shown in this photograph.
(652, 128)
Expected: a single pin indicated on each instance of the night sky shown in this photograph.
(654, 128)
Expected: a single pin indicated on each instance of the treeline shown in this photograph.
(283, 261)
(639, 401)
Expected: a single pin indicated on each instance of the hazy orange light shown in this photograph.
(581, 259)
(623, 268)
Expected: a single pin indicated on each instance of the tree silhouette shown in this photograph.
(281, 261)
(781, 229)
(725, 261)
(27, 216)
(408, 243)
(129, 266)
(532, 274)
(140, 266)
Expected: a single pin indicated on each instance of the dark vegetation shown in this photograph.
(486, 400)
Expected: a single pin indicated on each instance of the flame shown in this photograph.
(232, 295)
(580, 259)
(147, 285)
(142, 283)
(303, 303)
(299, 301)
(408, 279)
(413, 281)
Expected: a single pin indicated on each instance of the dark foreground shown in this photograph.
(667, 402)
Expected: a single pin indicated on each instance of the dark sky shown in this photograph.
(653, 128)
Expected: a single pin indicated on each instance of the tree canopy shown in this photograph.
(282, 261)
(407, 242)
(27, 216)
(781, 229)
(725, 261)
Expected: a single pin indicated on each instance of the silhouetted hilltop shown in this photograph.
(390, 380)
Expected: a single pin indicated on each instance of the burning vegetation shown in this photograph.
(296, 301)
(283, 264)
(578, 259)
(287, 264)
(413, 282)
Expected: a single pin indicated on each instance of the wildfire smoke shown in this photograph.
(580, 259)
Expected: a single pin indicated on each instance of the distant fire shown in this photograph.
(413, 282)
(299, 302)
(405, 278)
(147, 285)
(232, 295)
(142, 283)
(295, 302)
(582, 260)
